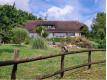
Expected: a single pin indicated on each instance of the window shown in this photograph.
(71, 34)
(59, 34)
(49, 27)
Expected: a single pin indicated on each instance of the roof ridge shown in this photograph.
(56, 20)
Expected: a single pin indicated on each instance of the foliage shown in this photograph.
(94, 44)
(85, 31)
(11, 17)
(6, 37)
(39, 43)
(57, 39)
(102, 43)
(27, 41)
(98, 31)
(42, 31)
(0, 39)
(79, 41)
(19, 35)
(99, 26)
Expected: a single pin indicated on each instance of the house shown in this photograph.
(55, 28)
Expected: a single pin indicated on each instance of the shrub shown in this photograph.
(42, 31)
(79, 41)
(0, 39)
(27, 41)
(57, 39)
(83, 42)
(5, 37)
(94, 44)
(102, 43)
(19, 35)
(99, 43)
(39, 43)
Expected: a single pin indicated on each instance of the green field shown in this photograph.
(32, 69)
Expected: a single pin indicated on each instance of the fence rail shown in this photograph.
(69, 68)
(64, 52)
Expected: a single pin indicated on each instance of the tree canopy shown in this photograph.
(98, 32)
(99, 26)
(85, 31)
(11, 17)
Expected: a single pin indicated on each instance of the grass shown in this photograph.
(32, 69)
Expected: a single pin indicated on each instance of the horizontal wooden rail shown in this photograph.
(67, 69)
(11, 62)
(64, 52)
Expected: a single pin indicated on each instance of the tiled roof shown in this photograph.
(60, 26)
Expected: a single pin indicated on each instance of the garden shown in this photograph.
(14, 36)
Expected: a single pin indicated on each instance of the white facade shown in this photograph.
(77, 34)
(59, 34)
(73, 34)
(50, 35)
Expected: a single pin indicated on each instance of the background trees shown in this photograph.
(11, 17)
(99, 26)
(98, 32)
(85, 31)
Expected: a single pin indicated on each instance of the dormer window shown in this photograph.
(49, 27)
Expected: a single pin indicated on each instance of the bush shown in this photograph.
(57, 39)
(19, 35)
(39, 43)
(27, 41)
(83, 42)
(42, 31)
(0, 39)
(102, 43)
(94, 44)
(99, 43)
(79, 41)
(5, 37)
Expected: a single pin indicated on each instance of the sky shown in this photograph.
(80, 10)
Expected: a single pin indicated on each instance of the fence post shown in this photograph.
(63, 50)
(89, 59)
(62, 65)
(14, 70)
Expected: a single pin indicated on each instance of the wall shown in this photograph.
(77, 34)
(58, 34)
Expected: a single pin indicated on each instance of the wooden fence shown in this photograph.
(64, 52)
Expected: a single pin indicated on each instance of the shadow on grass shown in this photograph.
(18, 45)
(6, 51)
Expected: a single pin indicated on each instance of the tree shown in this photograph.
(19, 35)
(42, 31)
(10, 17)
(98, 32)
(85, 31)
(99, 26)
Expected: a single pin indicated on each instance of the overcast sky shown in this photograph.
(81, 10)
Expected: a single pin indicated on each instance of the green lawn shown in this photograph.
(32, 69)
